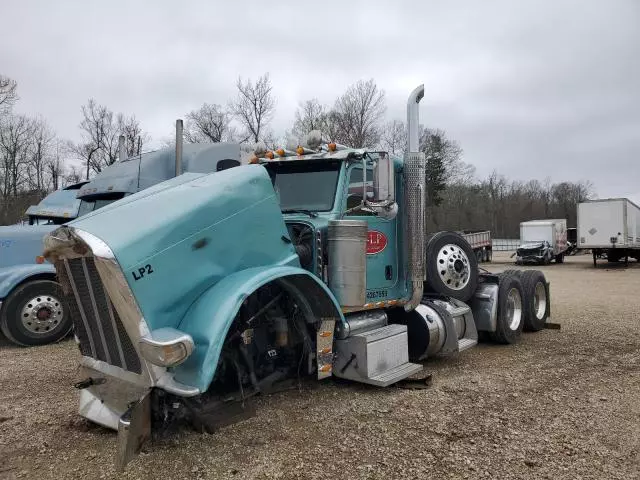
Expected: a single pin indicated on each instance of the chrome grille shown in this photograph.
(96, 322)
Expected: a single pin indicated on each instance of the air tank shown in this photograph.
(347, 266)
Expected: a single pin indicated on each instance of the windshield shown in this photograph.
(305, 185)
(87, 206)
(38, 220)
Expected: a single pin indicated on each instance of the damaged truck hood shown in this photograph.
(178, 238)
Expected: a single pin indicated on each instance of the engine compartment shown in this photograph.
(302, 237)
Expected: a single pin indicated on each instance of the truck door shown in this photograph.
(382, 251)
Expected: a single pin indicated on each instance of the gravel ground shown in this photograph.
(560, 404)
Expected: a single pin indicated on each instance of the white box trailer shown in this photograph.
(609, 226)
(542, 241)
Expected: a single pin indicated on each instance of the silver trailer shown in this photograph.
(480, 242)
(610, 227)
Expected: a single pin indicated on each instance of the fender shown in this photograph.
(209, 318)
(12, 276)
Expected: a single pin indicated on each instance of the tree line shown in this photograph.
(35, 161)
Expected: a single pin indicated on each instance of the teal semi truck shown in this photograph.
(196, 294)
(33, 310)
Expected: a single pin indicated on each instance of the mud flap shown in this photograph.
(134, 429)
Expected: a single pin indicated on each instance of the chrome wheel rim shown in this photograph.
(453, 267)
(514, 308)
(540, 301)
(41, 314)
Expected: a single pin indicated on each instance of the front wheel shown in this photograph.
(35, 314)
(452, 266)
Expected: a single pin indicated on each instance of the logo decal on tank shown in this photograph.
(376, 242)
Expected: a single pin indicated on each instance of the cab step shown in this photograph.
(395, 374)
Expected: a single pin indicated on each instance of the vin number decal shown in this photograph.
(373, 294)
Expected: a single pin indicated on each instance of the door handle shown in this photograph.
(388, 272)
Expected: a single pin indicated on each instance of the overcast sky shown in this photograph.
(531, 89)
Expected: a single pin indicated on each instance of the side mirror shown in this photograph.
(383, 202)
(383, 180)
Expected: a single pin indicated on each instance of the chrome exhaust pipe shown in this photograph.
(178, 147)
(413, 119)
(122, 149)
(415, 166)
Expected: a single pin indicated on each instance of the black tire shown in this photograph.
(511, 271)
(438, 282)
(489, 255)
(534, 317)
(560, 258)
(507, 330)
(43, 330)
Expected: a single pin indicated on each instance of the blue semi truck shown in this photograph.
(196, 294)
(33, 310)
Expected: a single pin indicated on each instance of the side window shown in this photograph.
(354, 193)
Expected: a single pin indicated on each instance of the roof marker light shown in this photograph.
(300, 150)
(280, 152)
(332, 147)
(269, 155)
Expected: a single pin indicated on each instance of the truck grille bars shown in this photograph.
(97, 324)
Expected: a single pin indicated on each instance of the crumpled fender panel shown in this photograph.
(12, 276)
(211, 316)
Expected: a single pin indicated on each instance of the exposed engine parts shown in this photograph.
(302, 237)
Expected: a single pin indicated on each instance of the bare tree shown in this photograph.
(8, 93)
(41, 143)
(358, 113)
(310, 115)
(54, 167)
(134, 136)
(254, 106)
(209, 123)
(100, 131)
(15, 137)
(97, 129)
(394, 137)
(73, 175)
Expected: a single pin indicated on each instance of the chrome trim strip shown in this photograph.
(79, 303)
(142, 379)
(95, 309)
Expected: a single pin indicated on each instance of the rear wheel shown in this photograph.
(35, 314)
(560, 258)
(512, 272)
(452, 267)
(537, 300)
(510, 318)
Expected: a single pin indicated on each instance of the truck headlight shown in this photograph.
(166, 347)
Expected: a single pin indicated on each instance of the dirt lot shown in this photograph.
(560, 404)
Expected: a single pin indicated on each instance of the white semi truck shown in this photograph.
(542, 241)
(610, 226)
